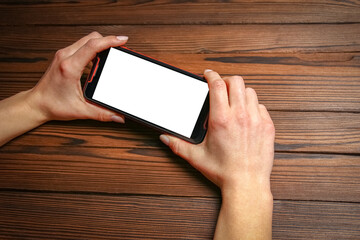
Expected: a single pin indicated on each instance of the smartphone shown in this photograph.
(149, 91)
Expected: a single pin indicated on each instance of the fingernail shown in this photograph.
(165, 139)
(207, 70)
(118, 119)
(122, 38)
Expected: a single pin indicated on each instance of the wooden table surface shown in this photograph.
(91, 180)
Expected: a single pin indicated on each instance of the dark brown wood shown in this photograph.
(283, 81)
(177, 12)
(64, 216)
(246, 64)
(295, 132)
(193, 38)
(155, 170)
(315, 220)
(91, 180)
(67, 216)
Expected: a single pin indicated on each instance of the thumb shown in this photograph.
(104, 115)
(178, 146)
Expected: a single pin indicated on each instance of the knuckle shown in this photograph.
(218, 84)
(95, 34)
(236, 78)
(103, 117)
(65, 67)
(244, 120)
(269, 127)
(256, 122)
(60, 54)
(92, 43)
(221, 121)
(249, 120)
(242, 116)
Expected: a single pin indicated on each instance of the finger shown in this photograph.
(179, 146)
(101, 114)
(264, 113)
(70, 50)
(266, 118)
(236, 88)
(87, 52)
(252, 104)
(219, 102)
(269, 128)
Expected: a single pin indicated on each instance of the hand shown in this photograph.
(237, 155)
(58, 95)
(238, 149)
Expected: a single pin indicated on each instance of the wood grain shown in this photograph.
(177, 12)
(283, 81)
(193, 38)
(246, 64)
(157, 171)
(325, 132)
(28, 215)
(90, 180)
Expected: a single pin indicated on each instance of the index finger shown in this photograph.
(87, 52)
(219, 101)
(70, 50)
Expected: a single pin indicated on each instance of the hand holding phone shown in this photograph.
(237, 155)
(157, 94)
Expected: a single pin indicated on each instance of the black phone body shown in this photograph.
(149, 91)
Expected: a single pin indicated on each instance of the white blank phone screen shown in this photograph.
(152, 92)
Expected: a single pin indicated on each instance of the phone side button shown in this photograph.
(95, 69)
(206, 122)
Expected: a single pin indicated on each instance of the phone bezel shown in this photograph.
(200, 128)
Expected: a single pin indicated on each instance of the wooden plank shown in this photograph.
(317, 132)
(63, 216)
(277, 92)
(157, 171)
(288, 64)
(193, 38)
(321, 132)
(99, 167)
(283, 81)
(316, 176)
(315, 220)
(67, 216)
(177, 12)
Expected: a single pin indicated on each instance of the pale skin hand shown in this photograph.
(58, 95)
(237, 155)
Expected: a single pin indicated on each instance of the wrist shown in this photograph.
(19, 114)
(33, 106)
(247, 187)
(246, 211)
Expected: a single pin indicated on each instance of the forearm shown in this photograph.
(246, 213)
(19, 114)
